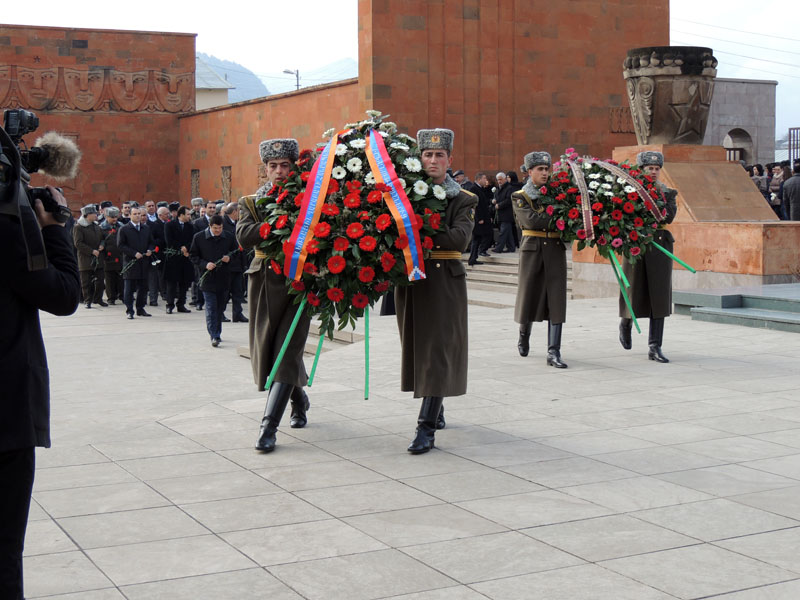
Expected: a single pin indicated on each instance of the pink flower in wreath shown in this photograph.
(616, 242)
(550, 209)
(635, 251)
(560, 224)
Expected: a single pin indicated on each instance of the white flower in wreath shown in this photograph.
(358, 144)
(621, 181)
(593, 185)
(594, 176)
(412, 164)
(398, 146)
(408, 138)
(369, 179)
(421, 188)
(383, 134)
(587, 165)
(606, 186)
(402, 182)
(374, 113)
(328, 134)
(354, 165)
(341, 149)
(338, 173)
(609, 178)
(629, 189)
(388, 127)
(439, 192)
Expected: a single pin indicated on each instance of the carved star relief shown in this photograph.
(690, 114)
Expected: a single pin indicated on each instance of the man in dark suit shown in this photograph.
(201, 224)
(135, 241)
(211, 253)
(482, 232)
(236, 266)
(25, 405)
(178, 269)
(155, 279)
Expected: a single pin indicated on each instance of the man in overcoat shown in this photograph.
(237, 266)
(651, 276)
(542, 287)
(272, 308)
(112, 257)
(178, 269)
(135, 241)
(482, 232)
(432, 313)
(88, 239)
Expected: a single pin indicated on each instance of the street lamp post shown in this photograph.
(296, 73)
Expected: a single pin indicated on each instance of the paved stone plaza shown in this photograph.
(617, 479)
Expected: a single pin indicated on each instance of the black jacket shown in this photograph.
(208, 248)
(200, 224)
(178, 267)
(505, 212)
(483, 212)
(131, 241)
(25, 399)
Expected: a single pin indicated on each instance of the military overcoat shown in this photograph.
(542, 281)
(651, 276)
(432, 313)
(87, 238)
(272, 309)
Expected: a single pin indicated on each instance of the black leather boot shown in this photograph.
(300, 404)
(655, 341)
(625, 326)
(440, 422)
(276, 405)
(554, 346)
(426, 424)
(524, 339)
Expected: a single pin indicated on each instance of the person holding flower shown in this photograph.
(542, 288)
(272, 308)
(432, 313)
(650, 276)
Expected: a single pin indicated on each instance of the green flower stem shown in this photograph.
(673, 257)
(625, 296)
(285, 343)
(366, 353)
(316, 358)
(618, 267)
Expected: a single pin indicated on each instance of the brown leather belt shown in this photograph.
(542, 234)
(446, 254)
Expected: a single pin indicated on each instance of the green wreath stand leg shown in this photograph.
(316, 359)
(285, 345)
(366, 353)
(673, 257)
(625, 294)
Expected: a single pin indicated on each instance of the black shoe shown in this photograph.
(241, 319)
(198, 308)
(215, 342)
(112, 302)
(426, 425)
(143, 313)
(483, 254)
(169, 310)
(154, 303)
(225, 319)
(130, 316)
(299, 408)
(655, 340)
(440, 422)
(183, 309)
(554, 346)
(88, 305)
(625, 326)
(101, 303)
(477, 262)
(655, 354)
(523, 345)
(192, 303)
(276, 405)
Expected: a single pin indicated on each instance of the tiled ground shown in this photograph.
(616, 479)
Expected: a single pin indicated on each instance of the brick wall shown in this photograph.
(117, 93)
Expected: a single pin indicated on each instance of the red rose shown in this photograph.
(340, 244)
(435, 220)
(116, 260)
(335, 294)
(573, 213)
(355, 230)
(330, 209)
(374, 197)
(352, 201)
(281, 222)
(616, 215)
(401, 242)
(313, 299)
(298, 286)
(382, 187)
(427, 243)
(322, 230)
(108, 253)
(360, 300)
(613, 230)
(367, 243)
(275, 267)
(156, 249)
(298, 200)
(598, 206)
(637, 222)
(387, 262)
(633, 236)
(333, 187)
(628, 207)
(336, 264)
(366, 274)
(382, 222)
(581, 233)
(635, 251)
(312, 247)
(264, 230)
(282, 196)
(310, 268)
(382, 287)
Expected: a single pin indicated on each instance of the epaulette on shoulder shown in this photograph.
(248, 197)
(468, 193)
(520, 194)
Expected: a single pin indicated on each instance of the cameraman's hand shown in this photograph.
(211, 266)
(138, 255)
(46, 218)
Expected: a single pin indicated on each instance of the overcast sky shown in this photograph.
(758, 40)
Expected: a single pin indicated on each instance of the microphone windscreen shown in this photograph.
(62, 156)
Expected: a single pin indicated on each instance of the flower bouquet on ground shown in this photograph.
(353, 218)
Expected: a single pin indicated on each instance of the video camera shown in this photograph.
(52, 155)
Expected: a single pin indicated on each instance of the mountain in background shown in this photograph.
(280, 82)
(247, 84)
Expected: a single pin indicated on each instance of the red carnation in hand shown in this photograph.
(633, 236)
(573, 213)
(340, 244)
(628, 207)
(156, 249)
(298, 200)
(313, 299)
(275, 266)
(108, 253)
(116, 260)
(427, 243)
(310, 268)
(613, 230)
(387, 262)
(401, 242)
(374, 197)
(382, 187)
(366, 274)
(360, 300)
(352, 201)
(322, 230)
(367, 243)
(336, 264)
(435, 220)
(355, 231)
(280, 223)
(264, 230)
(333, 187)
(616, 215)
(382, 222)
(335, 294)
(330, 209)
(312, 247)
(298, 286)
(637, 222)
(382, 287)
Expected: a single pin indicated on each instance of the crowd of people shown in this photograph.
(779, 183)
(142, 254)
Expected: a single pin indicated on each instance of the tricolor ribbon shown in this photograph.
(630, 180)
(586, 201)
(398, 203)
(310, 210)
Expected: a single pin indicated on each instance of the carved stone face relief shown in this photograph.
(37, 86)
(128, 89)
(173, 90)
(83, 87)
(5, 82)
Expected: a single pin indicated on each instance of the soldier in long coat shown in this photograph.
(272, 308)
(651, 276)
(542, 288)
(88, 239)
(432, 313)
(112, 257)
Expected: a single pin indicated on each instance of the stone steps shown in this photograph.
(749, 317)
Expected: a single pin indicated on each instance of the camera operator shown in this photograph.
(25, 402)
